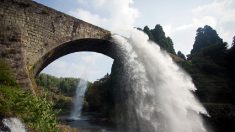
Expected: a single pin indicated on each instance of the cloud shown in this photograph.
(89, 17)
(92, 2)
(219, 14)
(111, 14)
(198, 22)
(167, 29)
(223, 13)
(91, 58)
(220, 8)
(183, 35)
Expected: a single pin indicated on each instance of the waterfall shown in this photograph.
(78, 100)
(160, 94)
(14, 124)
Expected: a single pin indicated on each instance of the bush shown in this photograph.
(36, 112)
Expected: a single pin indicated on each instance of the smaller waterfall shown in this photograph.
(14, 124)
(78, 100)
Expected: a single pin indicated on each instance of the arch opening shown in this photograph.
(90, 66)
(87, 47)
(101, 46)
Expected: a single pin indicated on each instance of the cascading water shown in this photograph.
(14, 124)
(78, 100)
(159, 93)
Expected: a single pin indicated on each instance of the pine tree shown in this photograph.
(206, 37)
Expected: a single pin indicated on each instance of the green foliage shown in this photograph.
(209, 51)
(35, 111)
(67, 86)
(181, 55)
(6, 77)
(47, 81)
(158, 36)
(211, 81)
(206, 37)
(210, 65)
(61, 91)
(98, 97)
(148, 32)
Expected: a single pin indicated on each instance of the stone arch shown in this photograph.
(34, 35)
(102, 46)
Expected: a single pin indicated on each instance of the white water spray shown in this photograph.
(78, 100)
(161, 91)
(14, 124)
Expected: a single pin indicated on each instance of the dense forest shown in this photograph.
(210, 65)
(66, 86)
(99, 98)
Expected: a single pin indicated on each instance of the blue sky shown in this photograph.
(179, 19)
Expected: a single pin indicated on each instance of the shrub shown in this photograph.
(36, 112)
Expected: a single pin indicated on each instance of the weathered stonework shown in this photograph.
(33, 35)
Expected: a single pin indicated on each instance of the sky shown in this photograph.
(180, 20)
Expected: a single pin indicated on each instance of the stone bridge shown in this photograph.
(33, 35)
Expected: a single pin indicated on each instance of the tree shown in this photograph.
(148, 32)
(181, 55)
(206, 37)
(210, 46)
(67, 85)
(158, 36)
(169, 44)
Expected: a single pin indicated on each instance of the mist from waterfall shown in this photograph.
(160, 93)
(14, 124)
(78, 100)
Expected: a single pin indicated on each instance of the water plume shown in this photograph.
(160, 94)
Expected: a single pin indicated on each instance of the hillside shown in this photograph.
(211, 66)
